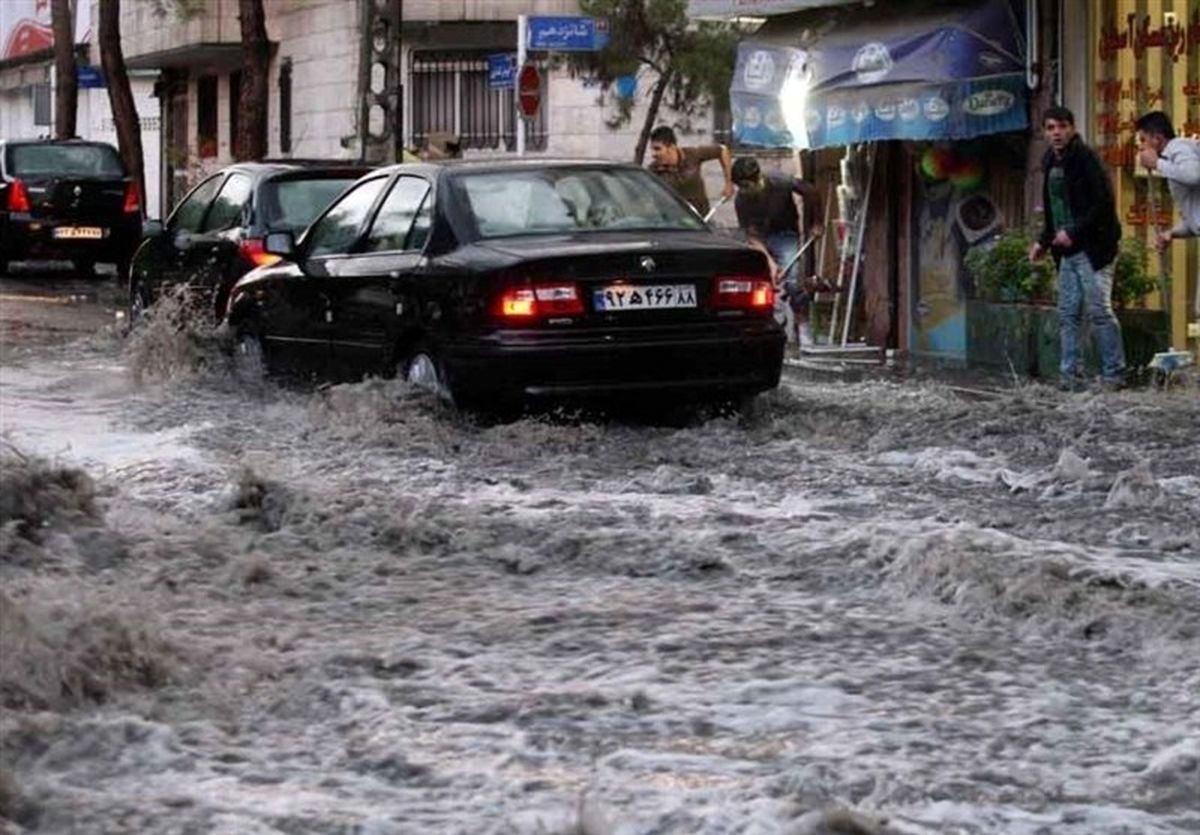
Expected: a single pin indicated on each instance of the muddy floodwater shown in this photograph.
(238, 608)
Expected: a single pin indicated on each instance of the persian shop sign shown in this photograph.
(1173, 37)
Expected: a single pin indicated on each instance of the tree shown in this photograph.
(251, 140)
(120, 96)
(66, 84)
(692, 63)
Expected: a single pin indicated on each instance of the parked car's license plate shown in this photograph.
(644, 297)
(88, 232)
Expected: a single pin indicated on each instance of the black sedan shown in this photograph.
(67, 200)
(216, 233)
(498, 282)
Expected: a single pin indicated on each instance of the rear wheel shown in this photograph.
(423, 369)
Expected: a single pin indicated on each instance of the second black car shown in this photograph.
(216, 233)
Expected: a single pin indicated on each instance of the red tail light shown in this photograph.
(18, 197)
(540, 300)
(133, 202)
(743, 292)
(252, 251)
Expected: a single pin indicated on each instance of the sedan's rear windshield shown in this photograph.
(294, 203)
(571, 199)
(64, 161)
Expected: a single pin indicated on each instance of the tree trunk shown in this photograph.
(651, 114)
(251, 140)
(66, 84)
(120, 97)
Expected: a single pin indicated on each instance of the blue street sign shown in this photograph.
(89, 77)
(567, 34)
(502, 70)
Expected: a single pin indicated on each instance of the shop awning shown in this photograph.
(918, 70)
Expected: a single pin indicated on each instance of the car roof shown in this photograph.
(261, 171)
(75, 140)
(502, 164)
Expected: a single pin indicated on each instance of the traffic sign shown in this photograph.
(529, 90)
(567, 34)
(502, 70)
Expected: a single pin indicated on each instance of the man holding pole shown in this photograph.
(766, 211)
(680, 167)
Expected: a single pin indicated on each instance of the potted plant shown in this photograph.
(1002, 272)
(1009, 313)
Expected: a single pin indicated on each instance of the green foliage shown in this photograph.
(693, 61)
(1131, 278)
(1003, 272)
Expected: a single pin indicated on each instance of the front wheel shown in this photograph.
(139, 304)
(249, 358)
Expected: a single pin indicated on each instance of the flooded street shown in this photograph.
(880, 605)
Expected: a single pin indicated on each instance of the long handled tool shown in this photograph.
(791, 261)
(1163, 257)
(712, 211)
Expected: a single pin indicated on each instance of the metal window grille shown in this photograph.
(41, 104)
(450, 93)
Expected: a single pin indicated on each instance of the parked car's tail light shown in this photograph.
(540, 300)
(133, 202)
(254, 252)
(743, 292)
(18, 197)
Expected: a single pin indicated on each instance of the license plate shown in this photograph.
(644, 297)
(79, 232)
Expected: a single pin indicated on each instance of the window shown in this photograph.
(285, 106)
(450, 93)
(293, 203)
(390, 231)
(338, 229)
(42, 114)
(235, 101)
(206, 115)
(191, 211)
(231, 202)
(574, 200)
(65, 160)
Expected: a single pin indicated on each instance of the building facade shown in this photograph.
(321, 72)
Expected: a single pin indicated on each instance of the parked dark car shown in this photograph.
(216, 233)
(67, 200)
(496, 282)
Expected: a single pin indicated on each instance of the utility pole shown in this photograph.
(381, 94)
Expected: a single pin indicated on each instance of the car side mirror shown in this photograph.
(282, 244)
(152, 228)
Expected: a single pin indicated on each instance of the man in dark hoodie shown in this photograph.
(1081, 232)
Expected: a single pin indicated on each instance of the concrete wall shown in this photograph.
(144, 31)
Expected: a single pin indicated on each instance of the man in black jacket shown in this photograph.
(1082, 233)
